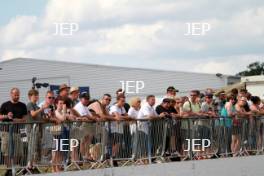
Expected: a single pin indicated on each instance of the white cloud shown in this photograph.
(101, 10)
(129, 39)
(130, 33)
(17, 29)
(13, 53)
(229, 65)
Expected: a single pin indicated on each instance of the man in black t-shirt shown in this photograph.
(164, 107)
(167, 107)
(15, 111)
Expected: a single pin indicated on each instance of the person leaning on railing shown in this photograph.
(59, 132)
(117, 126)
(191, 109)
(182, 133)
(121, 92)
(145, 115)
(192, 106)
(228, 112)
(168, 109)
(12, 111)
(255, 106)
(101, 108)
(135, 104)
(87, 127)
(237, 124)
(205, 125)
(259, 114)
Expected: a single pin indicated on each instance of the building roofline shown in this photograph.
(107, 66)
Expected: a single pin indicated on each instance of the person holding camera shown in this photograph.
(48, 115)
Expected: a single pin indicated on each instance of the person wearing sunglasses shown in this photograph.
(191, 107)
(204, 125)
(117, 127)
(121, 92)
(48, 106)
(101, 107)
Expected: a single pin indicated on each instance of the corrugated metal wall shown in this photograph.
(100, 79)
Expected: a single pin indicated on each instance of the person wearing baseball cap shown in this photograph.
(171, 92)
(87, 129)
(82, 107)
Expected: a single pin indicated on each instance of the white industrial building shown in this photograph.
(255, 85)
(101, 79)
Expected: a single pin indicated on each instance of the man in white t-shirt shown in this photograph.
(119, 113)
(82, 107)
(87, 128)
(148, 112)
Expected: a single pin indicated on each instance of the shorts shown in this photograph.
(236, 130)
(11, 145)
(184, 135)
(47, 138)
(59, 144)
(34, 142)
(116, 138)
(87, 129)
(175, 128)
(4, 142)
(76, 133)
(203, 132)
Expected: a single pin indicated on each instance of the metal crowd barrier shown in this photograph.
(89, 145)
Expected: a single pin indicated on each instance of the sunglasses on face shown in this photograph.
(108, 99)
(51, 98)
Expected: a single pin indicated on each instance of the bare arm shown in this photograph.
(229, 110)
(22, 120)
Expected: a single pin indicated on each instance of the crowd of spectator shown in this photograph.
(71, 105)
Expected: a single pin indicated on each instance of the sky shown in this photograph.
(139, 33)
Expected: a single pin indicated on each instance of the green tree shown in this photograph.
(255, 68)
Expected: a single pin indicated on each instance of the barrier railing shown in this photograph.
(88, 145)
